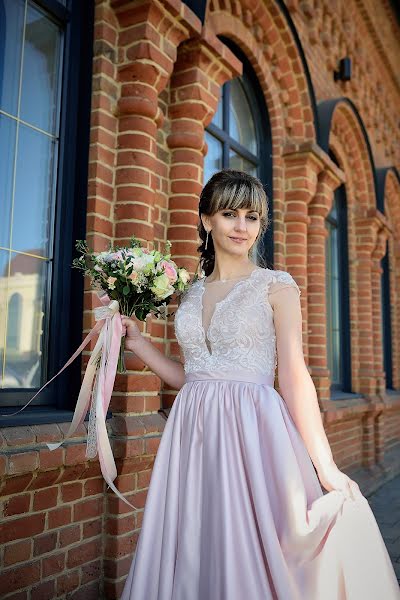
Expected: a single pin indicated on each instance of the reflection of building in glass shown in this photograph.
(21, 302)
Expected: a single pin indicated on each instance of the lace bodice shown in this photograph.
(229, 325)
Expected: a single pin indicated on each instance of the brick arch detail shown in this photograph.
(348, 141)
(266, 38)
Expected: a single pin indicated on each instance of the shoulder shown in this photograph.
(194, 285)
(278, 280)
(284, 277)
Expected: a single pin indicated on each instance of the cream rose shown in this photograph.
(162, 287)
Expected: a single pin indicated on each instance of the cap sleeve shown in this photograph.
(281, 280)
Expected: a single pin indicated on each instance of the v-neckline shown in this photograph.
(218, 305)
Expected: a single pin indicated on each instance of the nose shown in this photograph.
(241, 224)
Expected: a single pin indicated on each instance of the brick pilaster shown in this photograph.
(366, 228)
(382, 234)
(149, 35)
(328, 180)
(303, 164)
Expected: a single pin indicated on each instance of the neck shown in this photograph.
(228, 272)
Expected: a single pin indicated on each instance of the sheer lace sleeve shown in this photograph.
(281, 280)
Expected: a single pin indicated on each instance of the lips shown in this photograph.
(236, 239)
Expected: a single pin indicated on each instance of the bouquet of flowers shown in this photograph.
(140, 280)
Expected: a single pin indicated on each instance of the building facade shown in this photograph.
(113, 115)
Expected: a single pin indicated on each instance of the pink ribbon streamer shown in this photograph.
(110, 330)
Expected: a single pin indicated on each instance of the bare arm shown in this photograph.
(295, 382)
(299, 392)
(170, 371)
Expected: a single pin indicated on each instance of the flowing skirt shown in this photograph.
(235, 509)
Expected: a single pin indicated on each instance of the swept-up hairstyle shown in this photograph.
(231, 189)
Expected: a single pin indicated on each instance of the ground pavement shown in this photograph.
(385, 504)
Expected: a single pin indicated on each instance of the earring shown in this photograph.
(206, 241)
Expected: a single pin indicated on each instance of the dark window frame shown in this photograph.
(386, 320)
(66, 304)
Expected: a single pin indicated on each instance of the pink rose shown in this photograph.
(169, 271)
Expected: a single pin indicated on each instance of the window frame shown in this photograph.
(386, 320)
(66, 300)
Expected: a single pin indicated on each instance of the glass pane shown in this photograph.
(213, 158)
(41, 69)
(241, 164)
(8, 129)
(241, 122)
(217, 118)
(34, 192)
(328, 282)
(4, 258)
(333, 304)
(26, 305)
(11, 35)
(336, 374)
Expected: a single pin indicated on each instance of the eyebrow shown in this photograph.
(235, 209)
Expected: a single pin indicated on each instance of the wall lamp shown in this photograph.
(344, 71)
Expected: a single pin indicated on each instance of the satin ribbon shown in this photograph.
(100, 370)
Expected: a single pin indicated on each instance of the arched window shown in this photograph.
(337, 294)
(386, 320)
(239, 135)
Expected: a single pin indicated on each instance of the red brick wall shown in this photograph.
(157, 75)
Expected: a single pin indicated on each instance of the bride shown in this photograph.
(235, 507)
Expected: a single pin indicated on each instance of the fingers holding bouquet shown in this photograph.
(131, 330)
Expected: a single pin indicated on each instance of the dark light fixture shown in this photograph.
(344, 72)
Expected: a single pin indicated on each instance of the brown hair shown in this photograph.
(231, 189)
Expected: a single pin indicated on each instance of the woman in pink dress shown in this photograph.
(235, 509)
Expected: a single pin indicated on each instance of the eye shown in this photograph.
(227, 214)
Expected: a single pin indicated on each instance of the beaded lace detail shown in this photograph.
(241, 332)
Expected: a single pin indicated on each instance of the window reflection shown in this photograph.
(8, 132)
(241, 122)
(214, 156)
(14, 322)
(34, 191)
(12, 13)
(333, 299)
(22, 306)
(241, 164)
(41, 71)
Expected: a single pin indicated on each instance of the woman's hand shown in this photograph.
(333, 479)
(131, 331)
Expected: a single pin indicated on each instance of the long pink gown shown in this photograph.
(235, 510)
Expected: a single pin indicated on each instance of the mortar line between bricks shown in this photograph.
(21, 450)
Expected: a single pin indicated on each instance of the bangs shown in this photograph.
(239, 194)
